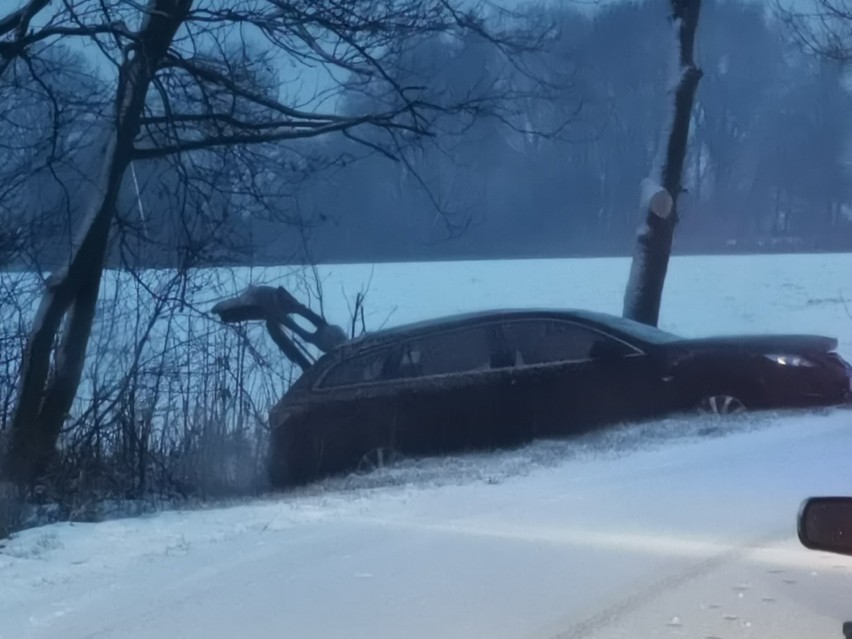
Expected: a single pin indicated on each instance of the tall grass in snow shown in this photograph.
(172, 404)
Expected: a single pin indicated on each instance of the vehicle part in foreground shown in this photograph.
(825, 523)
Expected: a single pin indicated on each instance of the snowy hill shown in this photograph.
(626, 536)
(680, 528)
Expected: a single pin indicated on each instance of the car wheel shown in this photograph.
(721, 404)
(378, 458)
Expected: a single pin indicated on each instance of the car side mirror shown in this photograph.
(825, 523)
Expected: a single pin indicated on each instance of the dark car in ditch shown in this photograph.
(497, 379)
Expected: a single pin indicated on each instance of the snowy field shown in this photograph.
(680, 528)
(703, 295)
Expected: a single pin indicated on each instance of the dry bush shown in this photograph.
(173, 405)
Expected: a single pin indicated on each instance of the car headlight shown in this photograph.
(790, 360)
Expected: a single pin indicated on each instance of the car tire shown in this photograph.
(720, 404)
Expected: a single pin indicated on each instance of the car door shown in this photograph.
(352, 410)
(572, 377)
(455, 390)
(438, 391)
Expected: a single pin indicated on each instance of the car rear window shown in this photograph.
(631, 328)
(458, 350)
(454, 351)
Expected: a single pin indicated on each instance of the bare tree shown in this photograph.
(824, 30)
(40, 126)
(661, 189)
(822, 27)
(45, 396)
(184, 75)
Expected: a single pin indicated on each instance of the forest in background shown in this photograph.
(767, 168)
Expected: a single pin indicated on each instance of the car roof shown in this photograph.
(618, 325)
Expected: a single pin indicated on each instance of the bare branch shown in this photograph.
(205, 73)
(824, 29)
(293, 132)
(117, 29)
(19, 21)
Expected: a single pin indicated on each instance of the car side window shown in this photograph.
(480, 347)
(453, 351)
(371, 366)
(550, 341)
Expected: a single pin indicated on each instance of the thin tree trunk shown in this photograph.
(41, 396)
(660, 192)
(69, 360)
(44, 400)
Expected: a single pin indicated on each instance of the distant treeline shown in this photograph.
(767, 169)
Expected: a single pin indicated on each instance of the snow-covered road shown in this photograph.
(690, 538)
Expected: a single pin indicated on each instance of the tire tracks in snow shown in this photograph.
(646, 595)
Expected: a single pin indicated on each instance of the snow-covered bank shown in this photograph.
(538, 553)
(676, 528)
(199, 381)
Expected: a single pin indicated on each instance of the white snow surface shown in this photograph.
(676, 528)
(687, 538)
(703, 294)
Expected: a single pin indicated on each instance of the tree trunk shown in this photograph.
(44, 399)
(660, 191)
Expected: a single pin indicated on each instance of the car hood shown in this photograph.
(781, 344)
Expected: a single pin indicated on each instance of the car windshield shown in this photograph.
(632, 328)
(425, 318)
